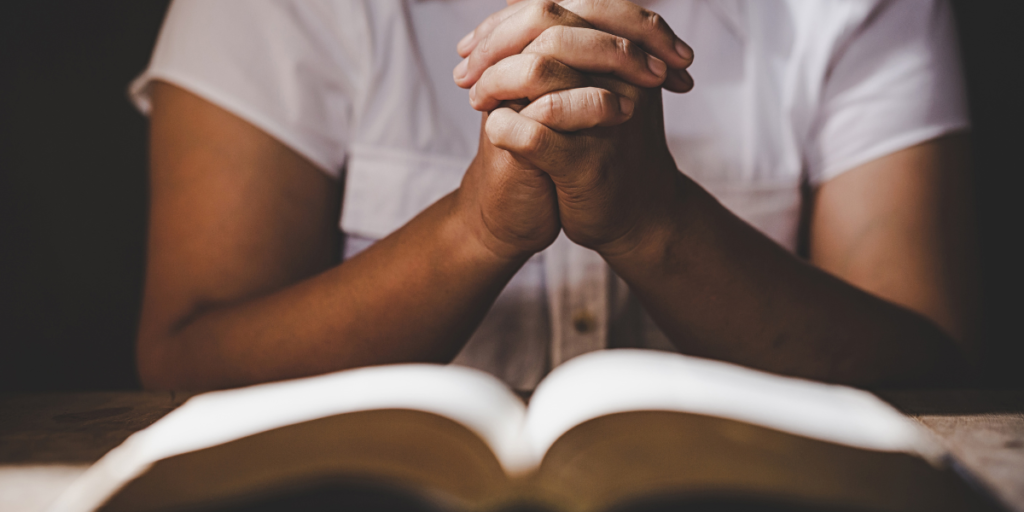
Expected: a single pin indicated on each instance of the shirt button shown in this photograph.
(583, 322)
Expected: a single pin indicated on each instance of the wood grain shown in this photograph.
(75, 428)
(46, 440)
(983, 429)
(49, 439)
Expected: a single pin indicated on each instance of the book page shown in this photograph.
(470, 397)
(621, 380)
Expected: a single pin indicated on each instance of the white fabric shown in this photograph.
(788, 92)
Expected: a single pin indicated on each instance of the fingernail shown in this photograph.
(657, 66)
(461, 68)
(626, 105)
(465, 39)
(472, 93)
(684, 50)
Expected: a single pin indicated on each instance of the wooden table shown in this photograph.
(47, 440)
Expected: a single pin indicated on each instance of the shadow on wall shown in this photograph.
(990, 34)
(72, 191)
(73, 183)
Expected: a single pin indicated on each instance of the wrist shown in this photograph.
(655, 236)
(467, 225)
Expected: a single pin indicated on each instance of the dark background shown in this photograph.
(73, 186)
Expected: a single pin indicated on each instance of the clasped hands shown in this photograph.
(572, 135)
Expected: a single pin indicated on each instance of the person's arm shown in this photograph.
(242, 284)
(902, 227)
(890, 306)
(718, 287)
(899, 308)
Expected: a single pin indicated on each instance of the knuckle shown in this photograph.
(482, 48)
(601, 102)
(594, 103)
(496, 127)
(532, 139)
(652, 20)
(553, 107)
(538, 68)
(624, 48)
(542, 11)
(559, 33)
(548, 40)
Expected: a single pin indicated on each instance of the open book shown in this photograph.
(602, 431)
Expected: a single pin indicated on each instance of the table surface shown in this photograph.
(48, 439)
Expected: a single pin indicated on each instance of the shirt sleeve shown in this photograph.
(895, 83)
(291, 68)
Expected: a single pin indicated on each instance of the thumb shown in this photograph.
(530, 140)
(571, 110)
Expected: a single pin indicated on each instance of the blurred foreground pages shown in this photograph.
(603, 430)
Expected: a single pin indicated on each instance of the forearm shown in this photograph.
(721, 289)
(416, 295)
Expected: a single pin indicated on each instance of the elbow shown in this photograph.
(154, 365)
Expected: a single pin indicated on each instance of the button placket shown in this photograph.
(577, 282)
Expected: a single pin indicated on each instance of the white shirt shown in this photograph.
(789, 93)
